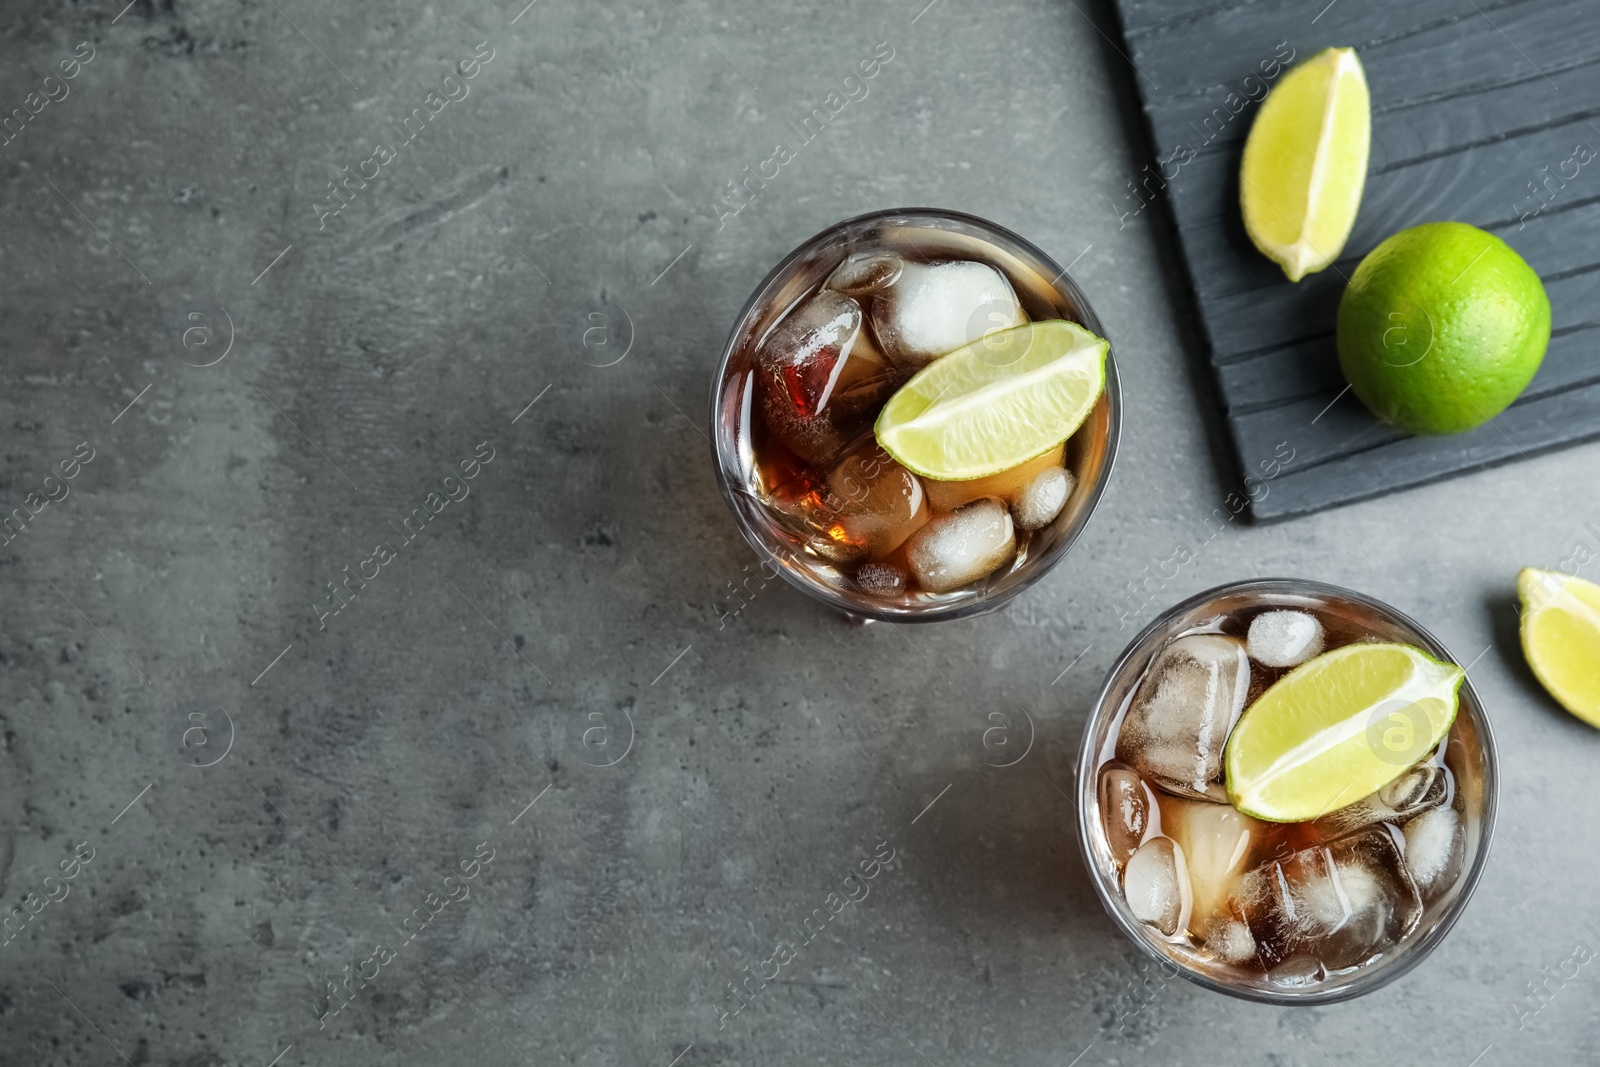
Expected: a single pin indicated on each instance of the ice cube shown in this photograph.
(1435, 844)
(961, 546)
(1218, 842)
(1125, 806)
(1042, 499)
(1284, 638)
(1230, 941)
(1298, 972)
(875, 503)
(935, 308)
(864, 273)
(1182, 711)
(1425, 786)
(863, 509)
(1339, 902)
(1008, 485)
(821, 377)
(883, 580)
(1422, 787)
(1156, 886)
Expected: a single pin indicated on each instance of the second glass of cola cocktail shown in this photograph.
(1320, 906)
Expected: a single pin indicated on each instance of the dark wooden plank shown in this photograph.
(1310, 369)
(1145, 16)
(1331, 425)
(1488, 185)
(1572, 360)
(1270, 319)
(1299, 371)
(1247, 305)
(1522, 433)
(1451, 45)
(1545, 240)
(1404, 131)
(1321, 430)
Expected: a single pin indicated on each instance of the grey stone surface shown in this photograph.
(565, 614)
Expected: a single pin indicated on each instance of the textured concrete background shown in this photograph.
(565, 615)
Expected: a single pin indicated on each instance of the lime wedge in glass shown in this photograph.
(996, 402)
(1339, 728)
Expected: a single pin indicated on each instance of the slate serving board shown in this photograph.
(1479, 111)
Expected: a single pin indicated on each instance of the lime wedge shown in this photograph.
(1561, 638)
(1305, 162)
(1339, 728)
(996, 402)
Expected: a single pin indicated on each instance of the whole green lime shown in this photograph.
(1442, 327)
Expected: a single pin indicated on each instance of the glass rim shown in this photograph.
(1408, 954)
(935, 612)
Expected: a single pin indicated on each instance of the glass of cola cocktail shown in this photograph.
(832, 337)
(1320, 889)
